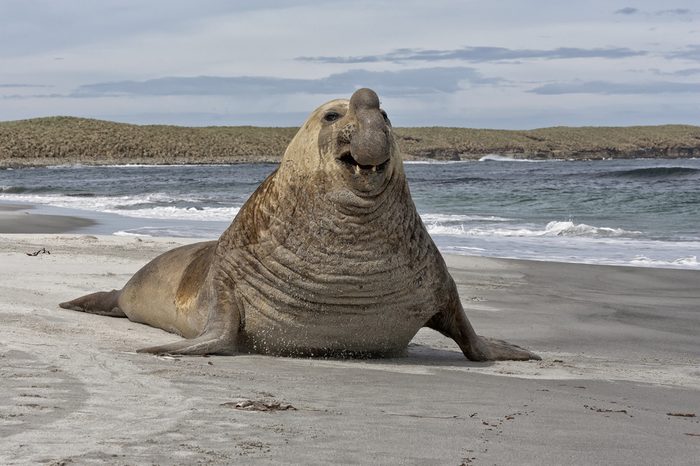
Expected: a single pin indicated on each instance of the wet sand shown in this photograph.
(620, 349)
(19, 218)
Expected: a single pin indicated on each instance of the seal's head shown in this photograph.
(349, 143)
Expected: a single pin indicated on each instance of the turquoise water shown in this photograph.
(631, 212)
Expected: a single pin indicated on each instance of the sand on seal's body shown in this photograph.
(619, 345)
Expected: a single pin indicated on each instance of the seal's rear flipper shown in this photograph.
(209, 343)
(104, 303)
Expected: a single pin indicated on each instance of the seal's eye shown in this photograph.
(386, 117)
(331, 116)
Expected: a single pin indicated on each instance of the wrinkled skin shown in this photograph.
(327, 257)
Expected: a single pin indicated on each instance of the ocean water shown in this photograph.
(626, 212)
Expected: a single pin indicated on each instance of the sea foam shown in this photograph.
(139, 206)
(554, 228)
(689, 261)
(503, 158)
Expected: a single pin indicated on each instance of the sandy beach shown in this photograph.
(619, 380)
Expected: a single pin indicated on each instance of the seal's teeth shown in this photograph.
(357, 169)
(374, 168)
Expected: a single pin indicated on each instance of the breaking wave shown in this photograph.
(556, 228)
(689, 261)
(503, 158)
(154, 205)
(437, 218)
(13, 189)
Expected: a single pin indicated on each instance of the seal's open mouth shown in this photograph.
(351, 164)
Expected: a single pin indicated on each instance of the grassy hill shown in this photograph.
(67, 140)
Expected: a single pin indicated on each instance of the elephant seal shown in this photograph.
(327, 257)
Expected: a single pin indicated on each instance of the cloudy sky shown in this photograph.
(499, 64)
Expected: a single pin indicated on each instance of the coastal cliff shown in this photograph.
(69, 140)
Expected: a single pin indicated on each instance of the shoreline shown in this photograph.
(619, 349)
(28, 218)
(463, 158)
(276, 161)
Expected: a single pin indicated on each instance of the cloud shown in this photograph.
(22, 86)
(404, 82)
(687, 72)
(42, 26)
(674, 11)
(210, 119)
(691, 52)
(613, 88)
(683, 72)
(671, 12)
(480, 54)
(32, 96)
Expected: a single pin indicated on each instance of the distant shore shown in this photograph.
(69, 140)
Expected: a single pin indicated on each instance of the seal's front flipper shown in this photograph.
(499, 350)
(208, 343)
(104, 303)
(453, 323)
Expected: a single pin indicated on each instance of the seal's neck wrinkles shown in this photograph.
(311, 223)
(327, 203)
(354, 203)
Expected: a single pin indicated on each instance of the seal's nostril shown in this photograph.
(385, 116)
